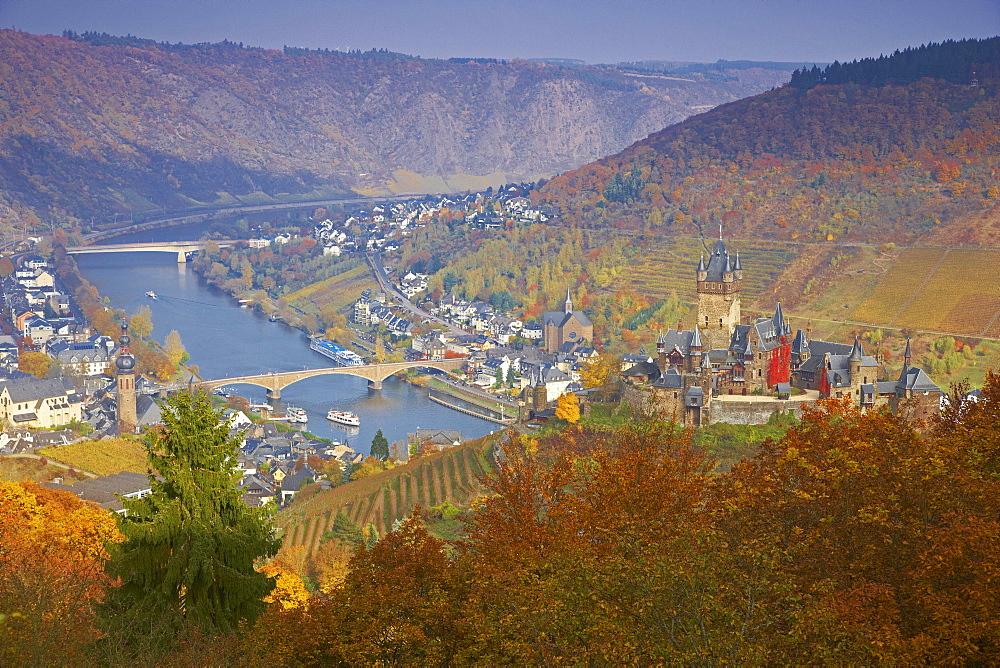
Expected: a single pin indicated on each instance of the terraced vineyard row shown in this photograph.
(937, 289)
(384, 498)
(669, 267)
(909, 271)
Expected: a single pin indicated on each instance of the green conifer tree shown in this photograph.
(380, 446)
(187, 562)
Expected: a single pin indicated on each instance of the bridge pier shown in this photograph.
(182, 257)
(274, 395)
(374, 384)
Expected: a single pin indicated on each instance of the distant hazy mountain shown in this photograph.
(895, 148)
(94, 124)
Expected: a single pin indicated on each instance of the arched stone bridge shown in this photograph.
(182, 248)
(373, 373)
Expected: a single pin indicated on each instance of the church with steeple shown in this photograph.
(724, 356)
(563, 331)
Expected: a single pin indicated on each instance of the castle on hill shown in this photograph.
(697, 371)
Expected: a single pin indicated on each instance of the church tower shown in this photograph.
(719, 284)
(125, 364)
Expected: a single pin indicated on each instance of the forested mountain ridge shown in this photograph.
(814, 161)
(95, 124)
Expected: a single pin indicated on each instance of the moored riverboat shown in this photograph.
(337, 353)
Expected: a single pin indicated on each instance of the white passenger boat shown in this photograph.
(344, 417)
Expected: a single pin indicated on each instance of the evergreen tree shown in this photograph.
(187, 562)
(380, 446)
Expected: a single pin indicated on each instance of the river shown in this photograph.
(225, 340)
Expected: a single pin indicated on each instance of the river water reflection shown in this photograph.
(225, 340)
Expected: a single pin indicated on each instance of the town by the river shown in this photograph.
(225, 340)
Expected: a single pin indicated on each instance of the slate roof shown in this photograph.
(107, 490)
(718, 262)
(670, 379)
(34, 389)
(645, 369)
(679, 339)
(560, 318)
(915, 380)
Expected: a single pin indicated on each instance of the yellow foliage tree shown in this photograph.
(34, 362)
(568, 408)
(289, 590)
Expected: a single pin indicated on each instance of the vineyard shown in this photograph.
(104, 457)
(668, 267)
(335, 293)
(381, 499)
(956, 291)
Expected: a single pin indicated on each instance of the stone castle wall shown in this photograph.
(753, 411)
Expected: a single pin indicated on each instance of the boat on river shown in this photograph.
(344, 417)
(296, 414)
(338, 354)
(151, 294)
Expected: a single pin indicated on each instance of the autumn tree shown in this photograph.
(601, 374)
(187, 563)
(596, 550)
(568, 408)
(174, 348)
(52, 553)
(141, 324)
(34, 362)
(867, 541)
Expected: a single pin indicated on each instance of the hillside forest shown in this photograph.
(853, 539)
(93, 125)
(856, 152)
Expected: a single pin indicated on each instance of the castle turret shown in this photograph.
(695, 349)
(719, 285)
(854, 361)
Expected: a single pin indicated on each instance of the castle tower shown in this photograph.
(695, 349)
(719, 284)
(125, 365)
(854, 362)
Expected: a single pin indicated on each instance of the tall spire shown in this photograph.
(720, 231)
(856, 352)
(569, 302)
(906, 353)
(696, 338)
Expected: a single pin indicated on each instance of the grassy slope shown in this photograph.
(383, 498)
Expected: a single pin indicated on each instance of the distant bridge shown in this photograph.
(373, 373)
(182, 248)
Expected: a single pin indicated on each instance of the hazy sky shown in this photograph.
(592, 30)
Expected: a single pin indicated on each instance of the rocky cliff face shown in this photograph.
(88, 129)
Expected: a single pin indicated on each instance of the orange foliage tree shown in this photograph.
(51, 573)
